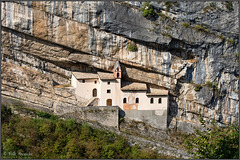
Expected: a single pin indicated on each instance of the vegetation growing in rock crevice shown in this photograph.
(197, 87)
(52, 138)
(201, 28)
(229, 5)
(152, 13)
(148, 10)
(169, 4)
(185, 24)
(213, 86)
(132, 47)
(230, 41)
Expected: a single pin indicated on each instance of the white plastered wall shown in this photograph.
(144, 100)
(74, 81)
(85, 90)
(156, 105)
(113, 86)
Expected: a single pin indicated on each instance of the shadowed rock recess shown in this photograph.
(184, 45)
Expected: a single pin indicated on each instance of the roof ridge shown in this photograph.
(117, 64)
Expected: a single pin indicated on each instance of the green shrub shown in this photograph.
(148, 13)
(218, 143)
(197, 87)
(201, 120)
(121, 119)
(221, 36)
(6, 113)
(132, 47)
(47, 139)
(230, 41)
(10, 148)
(229, 5)
(46, 115)
(209, 84)
(168, 5)
(201, 28)
(148, 10)
(185, 24)
(215, 85)
(215, 89)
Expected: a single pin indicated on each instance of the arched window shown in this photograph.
(137, 100)
(117, 75)
(151, 100)
(159, 100)
(124, 100)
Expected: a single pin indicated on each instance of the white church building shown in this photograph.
(111, 90)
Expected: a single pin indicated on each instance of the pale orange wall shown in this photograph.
(115, 74)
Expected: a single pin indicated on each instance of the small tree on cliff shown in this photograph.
(148, 11)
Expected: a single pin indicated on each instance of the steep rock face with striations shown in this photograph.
(182, 45)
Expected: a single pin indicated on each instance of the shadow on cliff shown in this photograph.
(172, 110)
(173, 105)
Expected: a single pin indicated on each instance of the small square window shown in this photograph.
(83, 81)
(108, 83)
(108, 91)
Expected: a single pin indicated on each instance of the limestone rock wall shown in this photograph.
(57, 37)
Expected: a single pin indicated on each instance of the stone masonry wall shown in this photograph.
(154, 118)
(104, 115)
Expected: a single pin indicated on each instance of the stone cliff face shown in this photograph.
(182, 45)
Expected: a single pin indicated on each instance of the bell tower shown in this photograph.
(117, 72)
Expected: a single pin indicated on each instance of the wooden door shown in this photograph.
(109, 102)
